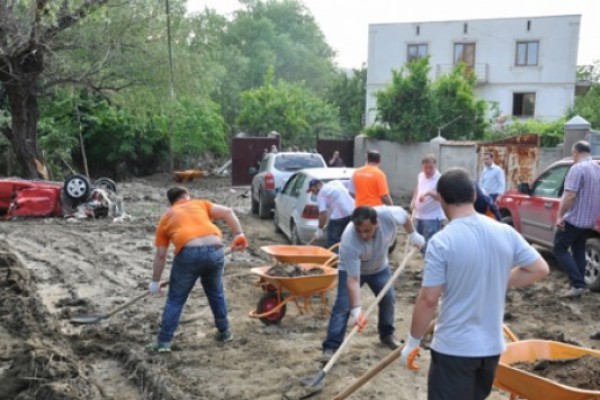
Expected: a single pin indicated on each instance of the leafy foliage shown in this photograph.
(588, 106)
(348, 93)
(551, 133)
(290, 109)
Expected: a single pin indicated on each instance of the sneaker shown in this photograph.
(224, 337)
(573, 292)
(391, 342)
(159, 347)
(326, 355)
(595, 336)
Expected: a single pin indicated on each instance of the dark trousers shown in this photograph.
(335, 228)
(572, 262)
(464, 378)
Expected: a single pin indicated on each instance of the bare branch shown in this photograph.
(69, 19)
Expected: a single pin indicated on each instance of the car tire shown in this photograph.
(77, 188)
(294, 238)
(592, 266)
(276, 221)
(263, 211)
(106, 183)
(508, 220)
(254, 203)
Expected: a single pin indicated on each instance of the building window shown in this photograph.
(464, 52)
(416, 51)
(527, 53)
(523, 104)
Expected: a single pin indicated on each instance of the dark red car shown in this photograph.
(34, 198)
(532, 210)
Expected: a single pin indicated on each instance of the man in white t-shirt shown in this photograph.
(335, 208)
(425, 202)
(469, 265)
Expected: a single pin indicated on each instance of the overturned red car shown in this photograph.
(36, 198)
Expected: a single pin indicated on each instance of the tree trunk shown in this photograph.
(20, 90)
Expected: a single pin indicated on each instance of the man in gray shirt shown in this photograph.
(364, 259)
(469, 265)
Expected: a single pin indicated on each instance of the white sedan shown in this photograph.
(296, 211)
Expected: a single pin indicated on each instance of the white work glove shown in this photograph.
(357, 318)
(416, 239)
(154, 287)
(318, 233)
(410, 351)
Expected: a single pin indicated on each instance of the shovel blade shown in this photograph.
(86, 319)
(308, 387)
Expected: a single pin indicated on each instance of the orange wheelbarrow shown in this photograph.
(279, 291)
(522, 384)
(300, 254)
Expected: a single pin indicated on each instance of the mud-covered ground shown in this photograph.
(53, 269)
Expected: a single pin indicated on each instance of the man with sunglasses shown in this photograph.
(364, 259)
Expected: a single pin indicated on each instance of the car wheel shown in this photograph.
(592, 266)
(294, 238)
(508, 220)
(263, 211)
(276, 222)
(77, 188)
(106, 183)
(254, 203)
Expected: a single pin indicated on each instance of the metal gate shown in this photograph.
(246, 152)
(326, 147)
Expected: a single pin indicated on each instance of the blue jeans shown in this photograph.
(572, 262)
(191, 263)
(341, 308)
(335, 228)
(428, 228)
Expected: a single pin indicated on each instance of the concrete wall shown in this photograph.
(552, 79)
(402, 163)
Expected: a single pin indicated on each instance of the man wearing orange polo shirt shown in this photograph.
(198, 255)
(369, 184)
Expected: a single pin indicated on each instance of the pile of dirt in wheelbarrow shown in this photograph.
(579, 373)
(292, 270)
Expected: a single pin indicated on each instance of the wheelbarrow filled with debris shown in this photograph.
(282, 283)
(525, 367)
(300, 254)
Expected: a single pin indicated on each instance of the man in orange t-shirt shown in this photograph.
(198, 254)
(369, 184)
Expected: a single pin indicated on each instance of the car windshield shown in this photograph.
(295, 162)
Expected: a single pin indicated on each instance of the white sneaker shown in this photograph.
(574, 292)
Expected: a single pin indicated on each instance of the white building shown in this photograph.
(527, 66)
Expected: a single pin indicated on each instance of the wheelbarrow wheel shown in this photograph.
(268, 302)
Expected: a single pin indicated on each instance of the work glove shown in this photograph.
(409, 352)
(154, 287)
(318, 233)
(416, 239)
(357, 318)
(240, 243)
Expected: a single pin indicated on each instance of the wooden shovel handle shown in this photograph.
(369, 310)
(134, 300)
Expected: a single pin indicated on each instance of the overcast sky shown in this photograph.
(345, 22)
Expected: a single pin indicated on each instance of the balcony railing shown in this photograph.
(481, 71)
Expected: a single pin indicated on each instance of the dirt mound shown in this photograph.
(580, 373)
(292, 270)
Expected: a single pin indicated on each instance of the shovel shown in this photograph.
(312, 386)
(92, 319)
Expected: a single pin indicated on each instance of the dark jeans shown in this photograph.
(206, 263)
(428, 228)
(465, 378)
(572, 262)
(335, 228)
(341, 309)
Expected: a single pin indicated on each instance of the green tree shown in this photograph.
(412, 108)
(290, 109)
(348, 92)
(588, 105)
(551, 133)
(406, 108)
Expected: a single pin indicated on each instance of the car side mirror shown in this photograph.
(524, 188)
(252, 170)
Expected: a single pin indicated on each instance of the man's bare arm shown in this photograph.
(424, 311)
(521, 277)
